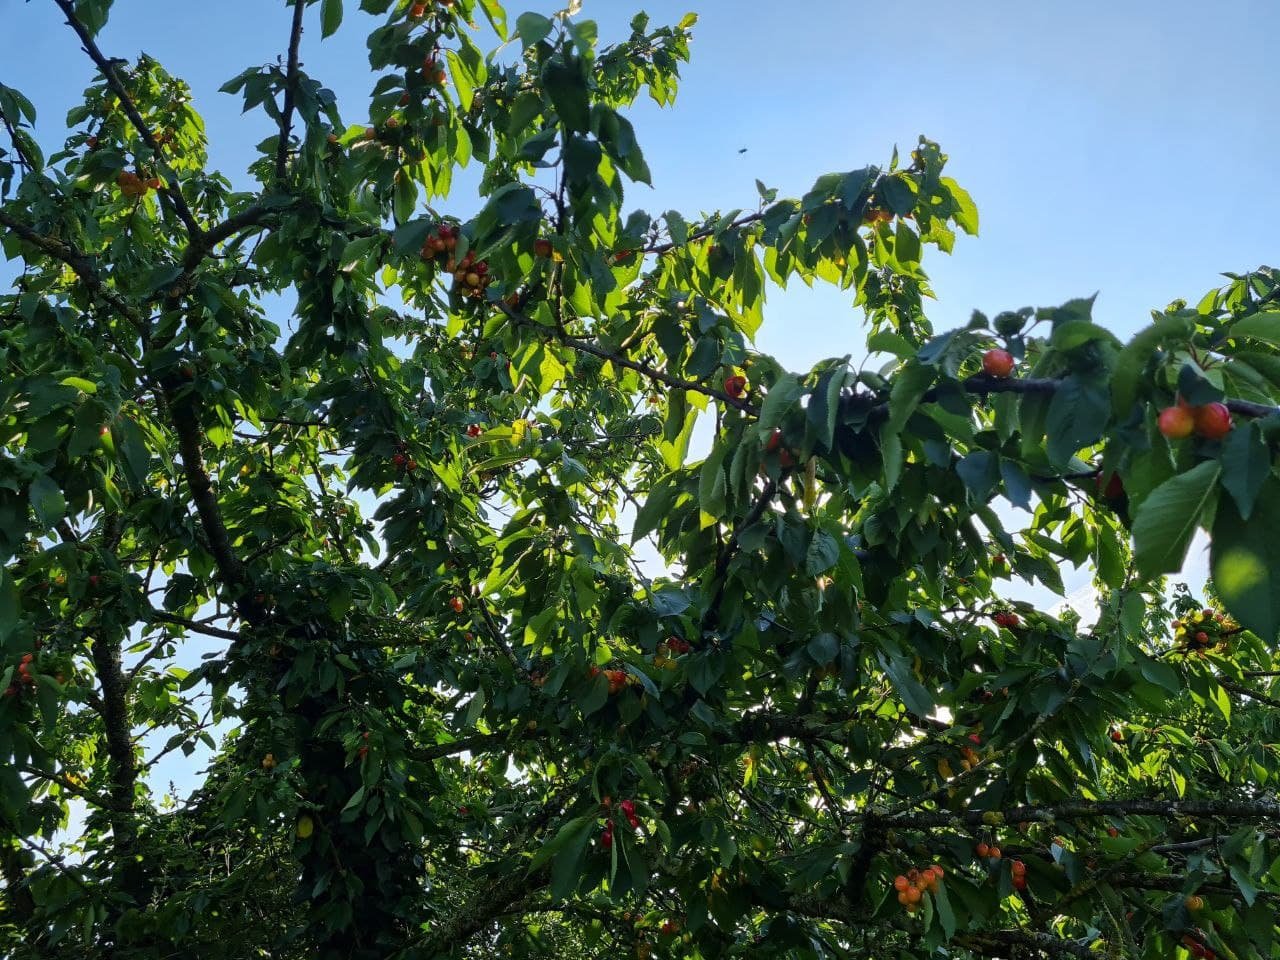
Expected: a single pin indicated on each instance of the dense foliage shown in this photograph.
(499, 668)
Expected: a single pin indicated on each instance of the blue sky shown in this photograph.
(1117, 147)
(1111, 147)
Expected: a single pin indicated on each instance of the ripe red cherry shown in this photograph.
(975, 739)
(474, 430)
(628, 809)
(1213, 421)
(457, 604)
(399, 459)
(735, 386)
(542, 247)
(997, 363)
(1112, 487)
(774, 441)
(1177, 422)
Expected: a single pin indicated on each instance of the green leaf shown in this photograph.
(1132, 360)
(1168, 517)
(966, 212)
(1246, 463)
(914, 696)
(532, 28)
(81, 384)
(1245, 561)
(656, 507)
(909, 387)
(1260, 326)
(782, 396)
(1017, 485)
(1078, 415)
(980, 472)
(1159, 672)
(945, 914)
(564, 837)
(497, 17)
(330, 16)
(566, 85)
(823, 648)
(47, 500)
(712, 484)
(10, 608)
(823, 552)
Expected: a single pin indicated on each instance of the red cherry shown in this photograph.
(997, 363)
(457, 604)
(975, 739)
(735, 386)
(474, 430)
(542, 247)
(1112, 488)
(1202, 637)
(628, 809)
(1176, 422)
(1213, 421)
(774, 441)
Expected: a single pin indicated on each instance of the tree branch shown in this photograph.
(291, 81)
(108, 71)
(658, 376)
(81, 265)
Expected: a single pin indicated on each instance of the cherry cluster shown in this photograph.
(675, 646)
(618, 679)
(628, 808)
(25, 677)
(133, 185)
(1201, 631)
(911, 886)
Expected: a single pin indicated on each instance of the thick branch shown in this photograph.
(290, 82)
(230, 569)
